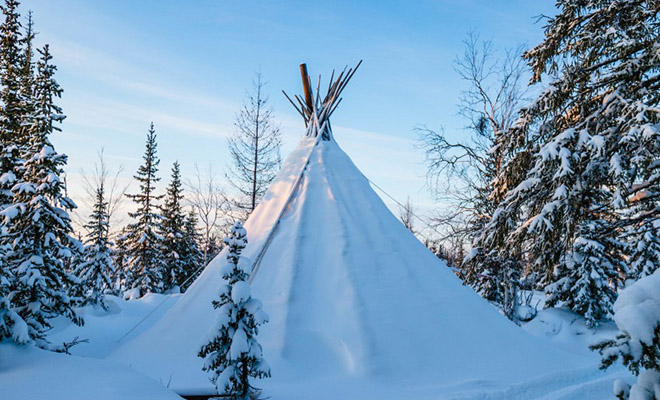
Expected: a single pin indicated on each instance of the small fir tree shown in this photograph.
(193, 256)
(234, 356)
(97, 268)
(582, 280)
(120, 276)
(173, 226)
(143, 244)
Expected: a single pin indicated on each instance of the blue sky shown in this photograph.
(186, 65)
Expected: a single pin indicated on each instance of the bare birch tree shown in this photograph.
(254, 148)
(407, 214)
(210, 205)
(100, 176)
(461, 174)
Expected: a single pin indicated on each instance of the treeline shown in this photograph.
(47, 268)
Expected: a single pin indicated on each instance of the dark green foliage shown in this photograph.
(97, 268)
(37, 223)
(173, 232)
(144, 265)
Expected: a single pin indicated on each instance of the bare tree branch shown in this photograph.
(461, 174)
(101, 176)
(210, 204)
(254, 148)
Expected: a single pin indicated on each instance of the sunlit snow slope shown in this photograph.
(358, 305)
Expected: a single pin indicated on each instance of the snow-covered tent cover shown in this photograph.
(359, 308)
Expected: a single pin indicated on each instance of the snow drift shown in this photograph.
(27, 373)
(353, 297)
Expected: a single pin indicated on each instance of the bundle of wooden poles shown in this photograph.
(317, 112)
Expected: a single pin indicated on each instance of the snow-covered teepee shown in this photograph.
(359, 308)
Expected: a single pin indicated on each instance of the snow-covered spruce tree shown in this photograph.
(11, 113)
(637, 315)
(233, 355)
(173, 226)
(192, 256)
(37, 221)
(593, 140)
(10, 321)
(582, 280)
(96, 269)
(143, 244)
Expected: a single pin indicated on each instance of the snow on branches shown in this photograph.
(233, 355)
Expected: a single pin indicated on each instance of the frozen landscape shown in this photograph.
(509, 250)
(374, 315)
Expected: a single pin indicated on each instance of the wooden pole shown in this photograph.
(307, 90)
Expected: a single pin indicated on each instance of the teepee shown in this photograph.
(359, 308)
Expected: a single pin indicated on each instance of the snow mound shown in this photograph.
(566, 329)
(105, 330)
(27, 372)
(358, 307)
(637, 310)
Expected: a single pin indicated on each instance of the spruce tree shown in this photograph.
(192, 256)
(173, 232)
(11, 111)
(38, 222)
(234, 356)
(10, 321)
(120, 276)
(97, 268)
(586, 147)
(144, 266)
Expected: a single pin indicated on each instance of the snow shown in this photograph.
(239, 344)
(621, 387)
(240, 292)
(565, 329)
(637, 311)
(27, 372)
(105, 329)
(359, 308)
(647, 386)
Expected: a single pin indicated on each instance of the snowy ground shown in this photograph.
(105, 330)
(86, 376)
(28, 373)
